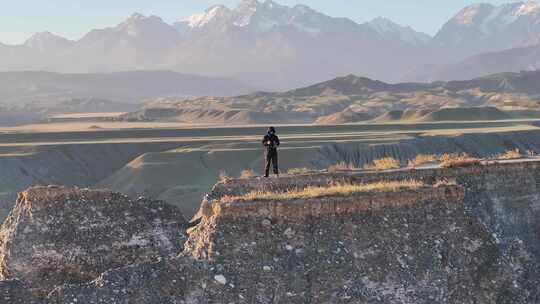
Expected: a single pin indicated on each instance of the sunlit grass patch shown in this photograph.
(321, 191)
(510, 154)
(454, 160)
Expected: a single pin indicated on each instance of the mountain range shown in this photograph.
(486, 28)
(280, 47)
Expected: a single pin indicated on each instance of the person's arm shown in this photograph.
(277, 140)
(265, 141)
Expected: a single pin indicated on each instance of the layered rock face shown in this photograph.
(473, 242)
(58, 235)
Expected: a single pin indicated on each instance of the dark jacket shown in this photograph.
(273, 139)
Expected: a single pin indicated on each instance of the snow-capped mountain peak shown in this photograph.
(483, 15)
(529, 8)
(469, 14)
(268, 12)
(207, 17)
(244, 12)
(485, 27)
(391, 30)
(262, 16)
(136, 16)
(139, 25)
(248, 6)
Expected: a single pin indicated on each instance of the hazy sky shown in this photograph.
(19, 19)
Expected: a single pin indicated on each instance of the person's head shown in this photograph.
(272, 130)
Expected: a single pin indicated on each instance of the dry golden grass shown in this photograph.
(331, 190)
(510, 154)
(342, 166)
(454, 160)
(385, 163)
(448, 157)
(247, 174)
(422, 159)
(298, 171)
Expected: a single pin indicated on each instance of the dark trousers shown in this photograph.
(271, 158)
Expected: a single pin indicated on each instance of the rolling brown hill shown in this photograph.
(353, 99)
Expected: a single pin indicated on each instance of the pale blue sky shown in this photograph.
(19, 19)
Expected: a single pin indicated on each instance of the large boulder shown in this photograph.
(57, 235)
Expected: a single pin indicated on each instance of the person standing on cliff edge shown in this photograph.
(271, 142)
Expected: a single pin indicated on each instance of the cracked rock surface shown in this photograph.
(58, 235)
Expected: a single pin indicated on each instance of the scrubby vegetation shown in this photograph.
(510, 154)
(454, 160)
(447, 160)
(385, 163)
(462, 159)
(320, 191)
